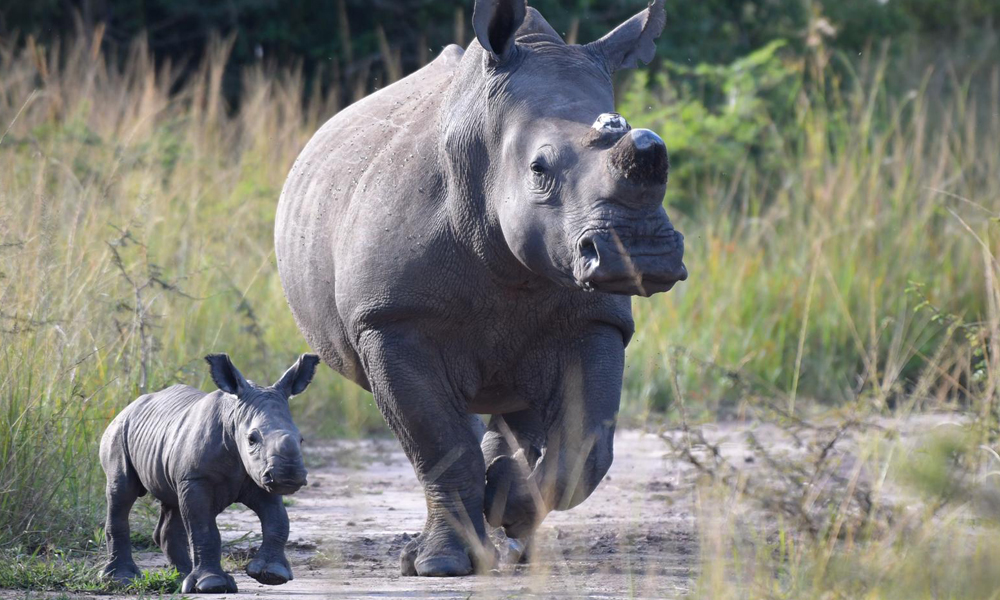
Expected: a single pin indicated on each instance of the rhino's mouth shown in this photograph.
(284, 481)
(634, 266)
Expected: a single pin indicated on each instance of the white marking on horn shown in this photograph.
(612, 123)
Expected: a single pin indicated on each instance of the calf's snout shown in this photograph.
(284, 478)
(285, 472)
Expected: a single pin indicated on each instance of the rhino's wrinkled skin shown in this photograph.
(198, 453)
(467, 240)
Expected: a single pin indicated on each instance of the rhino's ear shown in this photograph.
(633, 40)
(496, 22)
(297, 377)
(226, 375)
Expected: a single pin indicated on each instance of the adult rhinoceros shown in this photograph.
(465, 241)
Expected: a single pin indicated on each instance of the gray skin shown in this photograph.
(466, 240)
(198, 453)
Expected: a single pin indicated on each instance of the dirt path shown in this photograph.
(634, 537)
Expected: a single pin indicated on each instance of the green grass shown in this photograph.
(840, 234)
(77, 574)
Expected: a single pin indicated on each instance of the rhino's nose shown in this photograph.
(640, 158)
(642, 266)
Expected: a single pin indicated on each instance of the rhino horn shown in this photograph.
(640, 158)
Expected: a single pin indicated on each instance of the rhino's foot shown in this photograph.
(446, 556)
(275, 572)
(513, 551)
(208, 582)
(121, 572)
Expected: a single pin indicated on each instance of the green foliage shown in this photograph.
(717, 117)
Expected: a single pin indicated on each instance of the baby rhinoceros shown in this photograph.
(198, 453)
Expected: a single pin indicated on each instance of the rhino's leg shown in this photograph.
(196, 511)
(171, 537)
(123, 488)
(576, 421)
(270, 565)
(420, 394)
(512, 446)
(508, 433)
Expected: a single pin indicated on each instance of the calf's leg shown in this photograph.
(172, 539)
(123, 488)
(122, 492)
(270, 565)
(198, 514)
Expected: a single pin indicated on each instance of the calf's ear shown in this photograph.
(496, 22)
(226, 375)
(297, 377)
(633, 40)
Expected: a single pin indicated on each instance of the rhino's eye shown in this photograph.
(253, 439)
(542, 179)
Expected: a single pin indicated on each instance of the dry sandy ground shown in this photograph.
(634, 537)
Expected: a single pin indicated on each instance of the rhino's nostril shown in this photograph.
(589, 252)
(267, 478)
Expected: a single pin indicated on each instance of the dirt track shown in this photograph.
(634, 537)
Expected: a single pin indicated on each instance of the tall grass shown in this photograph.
(136, 224)
(825, 261)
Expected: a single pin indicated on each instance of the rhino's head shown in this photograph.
(269, 443)
(531, 130)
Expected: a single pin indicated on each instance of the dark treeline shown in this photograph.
(360, 44)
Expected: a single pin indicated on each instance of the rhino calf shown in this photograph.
(197, 453)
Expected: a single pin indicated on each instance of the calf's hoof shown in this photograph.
(446, 557)
(270, 573)
(207, 582)
(121, 572)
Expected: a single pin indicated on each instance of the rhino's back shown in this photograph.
(160, 433)
(357, 180)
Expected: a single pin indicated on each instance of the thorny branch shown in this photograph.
(151, 278)
(803, 484)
